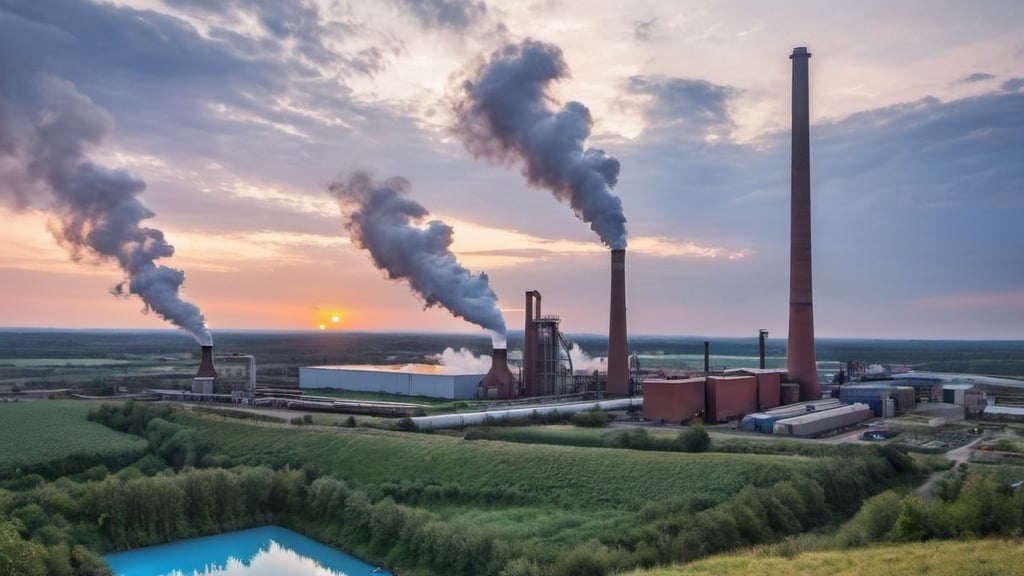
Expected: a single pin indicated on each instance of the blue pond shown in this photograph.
(266, 551)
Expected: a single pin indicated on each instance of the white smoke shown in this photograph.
(383, 221)
(46, 127)
(504, 112)
(463, 360)
(582, 361)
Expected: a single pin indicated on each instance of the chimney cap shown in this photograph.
(800, 51)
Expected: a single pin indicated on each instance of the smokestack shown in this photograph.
(707, 357)
(530, 344)
(800, 360)
(206, 369)
(203, 381)
(498, 383)
(618, 361)
(761, 335)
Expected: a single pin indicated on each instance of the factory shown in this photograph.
(410, 380)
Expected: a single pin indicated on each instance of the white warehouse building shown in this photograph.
(410, 379)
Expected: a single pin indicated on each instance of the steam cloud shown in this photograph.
(504, 112)
(46, 125)
(383, 221)
(462, 359)
(583, 361)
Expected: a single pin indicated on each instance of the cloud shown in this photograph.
(975, 77)
(1013, 84)
(643, 30)
(685, 108)
(458, 15)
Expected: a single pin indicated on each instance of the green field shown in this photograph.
(46, 433)
(593, 478)
(938, 558)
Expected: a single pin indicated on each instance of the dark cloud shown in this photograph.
(236, 98)
(685, 108)
(922, 198)
(976, 77)
(451, 14)
(1013, 84)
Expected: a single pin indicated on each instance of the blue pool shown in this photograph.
(266, 551)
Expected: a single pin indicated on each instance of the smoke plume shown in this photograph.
(505, 113)
(46, 127)
(383, 221)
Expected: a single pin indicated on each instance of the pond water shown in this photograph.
(266, 551)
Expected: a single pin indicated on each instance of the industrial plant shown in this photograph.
(543, 371)
(542, 377)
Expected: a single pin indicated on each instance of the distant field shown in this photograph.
(46, 432)
(935, 558)
(58, 362)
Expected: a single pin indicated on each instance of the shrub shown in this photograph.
(592, 418)
(694, 439)
(406, 425)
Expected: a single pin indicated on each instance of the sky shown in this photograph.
(228, 121)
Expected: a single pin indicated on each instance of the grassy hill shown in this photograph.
(989, 557)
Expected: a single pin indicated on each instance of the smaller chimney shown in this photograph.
(618, 346)
(498, 383)
(205, 376)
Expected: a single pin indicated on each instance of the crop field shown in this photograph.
(937, 558)
(568, 476)
(40, 433)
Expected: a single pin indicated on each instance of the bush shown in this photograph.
(694, 439)
(406, 425)
(592, 418)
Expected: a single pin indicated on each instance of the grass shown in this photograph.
(989, 557)
(41, 433)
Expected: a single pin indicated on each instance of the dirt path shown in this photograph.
(958, 456)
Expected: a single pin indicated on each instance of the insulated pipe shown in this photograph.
(471, 418)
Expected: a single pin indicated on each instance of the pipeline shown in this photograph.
(470, 418)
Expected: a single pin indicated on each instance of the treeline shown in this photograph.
(691, 439)
(966, 504)
(385, 524)
(177, 445)
(51, 529)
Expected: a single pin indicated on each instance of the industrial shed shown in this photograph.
(673, 401)
(814, 423)
(886, 400)
(730, 397)
(769, 385)
(411, 379)
(764, 422)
